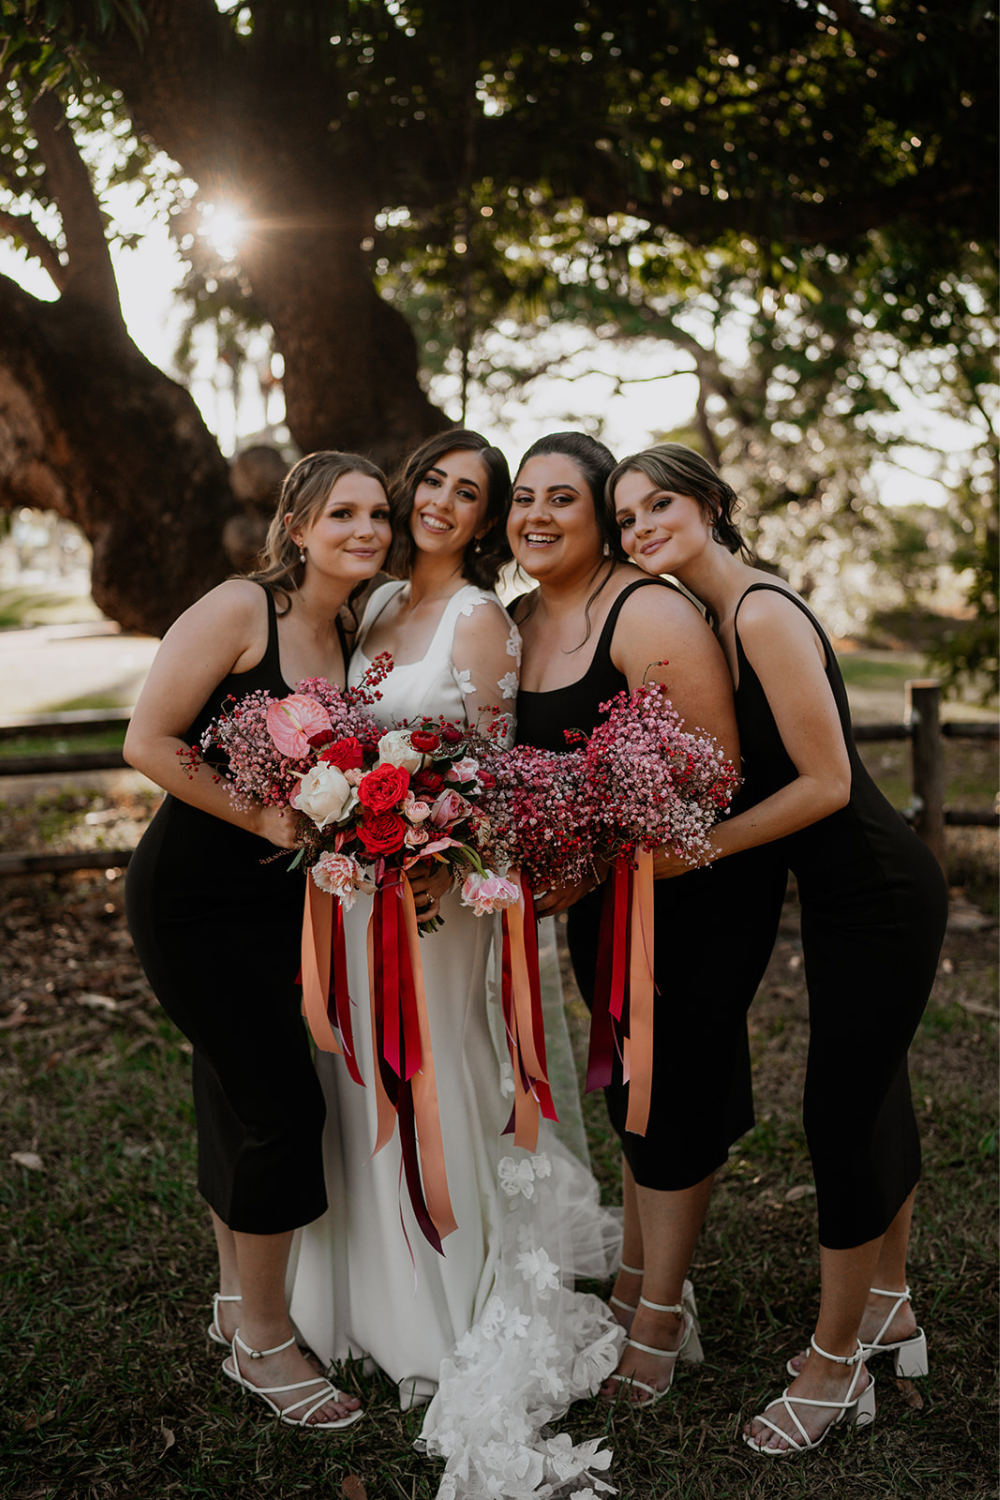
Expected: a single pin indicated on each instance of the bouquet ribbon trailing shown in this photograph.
(405, 1087)
(325, 997)
(624, 986)
(521, 994)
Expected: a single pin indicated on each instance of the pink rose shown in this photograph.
(448, 809)
(488, 893)
(414, 837)
(414, 809)
(463, 770)
(293, 720)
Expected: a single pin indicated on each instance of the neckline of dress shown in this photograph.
(405, 666)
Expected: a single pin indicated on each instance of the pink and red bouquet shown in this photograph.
(535, 815)
(652, 783)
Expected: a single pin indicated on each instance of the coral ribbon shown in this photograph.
(405, 1085)
(521, 994)
(326, 999)
(624, 987)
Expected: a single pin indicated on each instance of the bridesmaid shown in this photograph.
(592, 627)
(873, 916)
(216, 918)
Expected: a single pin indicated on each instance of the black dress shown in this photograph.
(714, 931)
(874, 907)
(216, 921)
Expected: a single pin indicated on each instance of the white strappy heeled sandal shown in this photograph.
(689, 1347)
(214, 1329)
(910, 1353)
(626, 1307)
(322, 1390)
(858, 1410)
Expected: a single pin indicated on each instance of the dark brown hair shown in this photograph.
(672, 466)
(483, 558)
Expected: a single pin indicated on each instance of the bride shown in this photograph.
(364, 1280)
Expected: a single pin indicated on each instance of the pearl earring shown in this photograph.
(302, 555)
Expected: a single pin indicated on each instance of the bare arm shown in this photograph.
(224, 632)
(788, 658)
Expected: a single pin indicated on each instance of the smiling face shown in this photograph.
(662, 531)
(450, 504)
(350, 535)
(552, 528)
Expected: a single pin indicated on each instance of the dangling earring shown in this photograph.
(302, 556)
(607, 549)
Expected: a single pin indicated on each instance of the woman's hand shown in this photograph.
(562, 897)
(429, 879)
(279, 825)
(667, 864)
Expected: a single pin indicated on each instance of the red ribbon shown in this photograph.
(521, 994)
(624, 987)
(326, 998)
(405, 1085)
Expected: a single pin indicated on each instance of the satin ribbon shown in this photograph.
(405, 1084)
(326, 999)
(624, 987)
(521, 995)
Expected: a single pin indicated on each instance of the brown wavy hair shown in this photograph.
(304, 493)
(483, 558)
(672, 466)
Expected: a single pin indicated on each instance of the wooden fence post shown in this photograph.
(923, 698)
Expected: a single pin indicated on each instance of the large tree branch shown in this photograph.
(22, 227)
(88, 275)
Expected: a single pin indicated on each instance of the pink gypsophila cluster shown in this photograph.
(536, 816)
(652, 783)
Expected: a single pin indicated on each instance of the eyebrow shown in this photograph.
(552, 489)
(473, 482)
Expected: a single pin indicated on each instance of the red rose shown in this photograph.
(346, 754)
(424, 740)
(317, 741)
(451, 736)
(383, 788)
(428, 781)
(382, 833)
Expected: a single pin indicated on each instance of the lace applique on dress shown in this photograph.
(537, 1347)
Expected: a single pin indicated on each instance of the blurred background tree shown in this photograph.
(794, 201)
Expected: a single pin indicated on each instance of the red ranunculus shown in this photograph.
(317, 741)
(451, 736)
(345, 754)
(383, 788)
(424, 740)
(428, 781)
(382, 833)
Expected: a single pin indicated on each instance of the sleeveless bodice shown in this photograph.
(433, 685)
(867, 832)
(542, 717)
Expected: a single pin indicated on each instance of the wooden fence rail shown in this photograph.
(923, 729)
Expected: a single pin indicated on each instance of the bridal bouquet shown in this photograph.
(536, 815)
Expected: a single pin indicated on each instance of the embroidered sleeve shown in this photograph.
(485, 656)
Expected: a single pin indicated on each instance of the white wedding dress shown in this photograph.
(493, 1326)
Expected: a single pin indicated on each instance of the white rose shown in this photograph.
(396, 749)
(325, 795)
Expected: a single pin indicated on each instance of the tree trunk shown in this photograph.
(89, 428)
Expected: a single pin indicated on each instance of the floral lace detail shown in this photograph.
(514, 644)
(536, 1347)
(508, 684)
(464, 680)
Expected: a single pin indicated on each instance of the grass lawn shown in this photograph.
(109, 1388)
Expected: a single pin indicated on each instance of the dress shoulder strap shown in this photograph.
(608, 630)
(375, 604)
(774, 588)
(271, 658)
